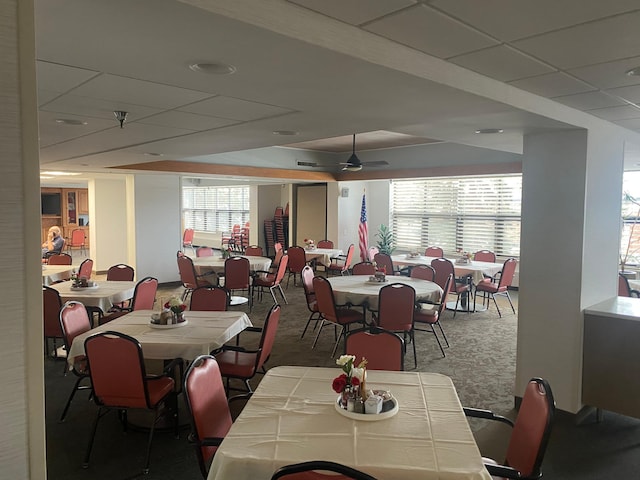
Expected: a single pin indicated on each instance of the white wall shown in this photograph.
(158, 226)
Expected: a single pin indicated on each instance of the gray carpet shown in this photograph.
(481, 362)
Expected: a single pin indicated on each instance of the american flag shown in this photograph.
(363, 231)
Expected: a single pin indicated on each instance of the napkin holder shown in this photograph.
(373, 404)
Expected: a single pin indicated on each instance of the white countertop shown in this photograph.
(617, 307)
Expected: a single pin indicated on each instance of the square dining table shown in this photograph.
(292, 418)
(202, 333)
(103, 295)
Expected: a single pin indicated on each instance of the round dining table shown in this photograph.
(359, 290)
(215, 263)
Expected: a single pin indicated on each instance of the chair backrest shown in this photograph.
(236, 273)
(77, 238)
(121, 272)
(324, 297)
(117, 370)
(325, 244)
(269, 330)
(349, 259)
(278, 257)
(508, 271)
(206, 401)
(485, 256)
(51, 305)
(383, 350)
(86, 269)
(363, 268)
(297, 259)
(446, 289)
(443, 268)
(307, 283)
(210, 299)
(204, 252)
(253, 251)
(144, 296)
(277, 247)
(74, 321)
(282, 269)
(313, 471)
(423, 272)
(530, 434)
(434, 252)
(187, 272)
(396, 303)
(624, 289)
(372, 253)
(383, 261)
(187, 237)
(60, 259)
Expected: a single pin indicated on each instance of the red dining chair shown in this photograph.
(434, 252)
(271, 281)
(423, 272)
(624, 289)
(384, 350)
(120, 273)
(237, 276)
(74, 321)
(383, 262)
(498, 288)
(307, 283)
(210, 299)
(242, 363)
(188, 277)
(325, 244)
(276, 261)
(313, 471)
(372, 253)
(86, 269)
(187, 238)
(427, 316)
(396, 303)
(204, 252)
(331, 314)
(444, 268)
(60, 259)
(206, 401)
(120, 382)
(484, 256)
(363, 268)
(51, 306)
(144, 297)
(77, 240)
(341, 263)
(297, 261)
(228, 238)
(529, 435)
(253, 251)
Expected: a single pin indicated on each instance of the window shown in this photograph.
(630, 238)
(214, 209)
(469, 213)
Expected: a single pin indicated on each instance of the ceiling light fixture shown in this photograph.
(59, 174)
(489, 130)
(353, 164)
(634, 72)
(120, 116)
(285, 132)
(213, 68)
(69, 121)
(153, 154)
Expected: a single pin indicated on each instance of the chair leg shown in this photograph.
(497, 307)
(87, 454)
(415, 355)
(147, 456)
(307, 325)
(433, 329)
(506, 293)
(282, 293)
(318, 334)
(335, 347)
(76, 387)
(443, 334)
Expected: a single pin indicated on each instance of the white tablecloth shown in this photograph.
(105, 296)
(205, 331)
(358, 290)
(291, 418)
(54, 273)
(216, 264)
(474, 269)
(322, 255)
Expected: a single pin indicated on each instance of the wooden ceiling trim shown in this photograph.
(448, 171)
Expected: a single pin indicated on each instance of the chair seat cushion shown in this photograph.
(425, 316)
(159, 388)
(491, 287)
(347, 315)
(266, 281)
(236, 364)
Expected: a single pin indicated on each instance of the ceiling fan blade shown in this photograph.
(308, 164)
(377, 163)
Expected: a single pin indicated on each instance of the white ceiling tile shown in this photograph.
(61, 78)
(93, 107)
(511, 19)
(630, 93)
(590, 101)
(138, 92)
(234, 108)
(45, 96)
(631, 124)
(51, 132)
(552, 85)
(189, 121)
(609, 74)
(355, 12)
(502, 63)
(596, 42)
(430, 31)
(617, 113)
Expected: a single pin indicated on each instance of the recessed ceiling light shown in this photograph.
(213, 68)
(285, 132)
(69, 121)
(152, 154)
(490, 130)
(60, 174)
(634, 72)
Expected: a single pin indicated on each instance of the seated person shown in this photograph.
(54, 243)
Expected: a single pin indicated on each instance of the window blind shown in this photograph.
(468, 213)
(215, 209)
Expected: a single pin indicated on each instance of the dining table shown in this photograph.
(103, 295)
(215, 263)
(321, 256)
(293, 417)
(360, 290)
(474, 270)
(55, 273)
(202, 332)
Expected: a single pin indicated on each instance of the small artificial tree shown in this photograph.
(386, 240)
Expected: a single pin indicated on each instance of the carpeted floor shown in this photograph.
(481, 362)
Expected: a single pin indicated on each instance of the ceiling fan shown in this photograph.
(353, 164)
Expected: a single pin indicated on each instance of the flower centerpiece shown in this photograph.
(464, 257)
(310, 244)
(350, 384)
(177, 308)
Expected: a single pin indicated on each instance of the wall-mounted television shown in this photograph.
(51, 203)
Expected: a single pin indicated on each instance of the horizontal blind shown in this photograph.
(468, 213)
(215, 209)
